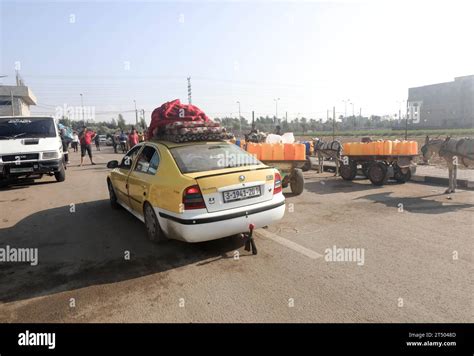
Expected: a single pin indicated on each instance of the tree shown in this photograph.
(304, 124)
(121, 122)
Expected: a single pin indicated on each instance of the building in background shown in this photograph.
(15, 100)
(444, 105)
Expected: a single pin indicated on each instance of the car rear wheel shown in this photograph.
(152, 225)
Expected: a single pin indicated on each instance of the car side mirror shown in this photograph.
(112, 164)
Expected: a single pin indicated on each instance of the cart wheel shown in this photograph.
(401, 175)
(365, 169)
(378, 173)
(307, 165)
(348, 171)
(297, 182)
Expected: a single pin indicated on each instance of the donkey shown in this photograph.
(327, 150)
(454, 151)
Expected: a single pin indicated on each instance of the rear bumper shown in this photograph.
(222, 224)
(11, 170)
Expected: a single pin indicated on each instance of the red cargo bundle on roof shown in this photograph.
(178, 122)
(171, 112)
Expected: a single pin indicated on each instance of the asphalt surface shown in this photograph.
(417, 266)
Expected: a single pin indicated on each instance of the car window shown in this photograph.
(204, 157)
(128, 159)
(24, 127)
(148, 161)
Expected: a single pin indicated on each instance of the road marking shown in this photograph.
(288, 243)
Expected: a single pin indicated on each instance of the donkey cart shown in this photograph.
(291, 174)
(378, 168)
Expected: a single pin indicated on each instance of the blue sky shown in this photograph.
(310, 55)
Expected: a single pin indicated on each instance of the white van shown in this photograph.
(29, 148)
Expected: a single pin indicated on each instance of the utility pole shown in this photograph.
(189, 91)
(345, 106)
(333, 123)
(11, 99)
(136, 114)
(286, 117)
(143, 117)
(353, 116)
(406, 123)
(82, 109)
(253, 120)
(240, 120)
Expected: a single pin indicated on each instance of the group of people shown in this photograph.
(126, 141)
(83, 141)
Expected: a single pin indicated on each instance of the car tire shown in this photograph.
(60, 175)
(152, 224)
(112, 197)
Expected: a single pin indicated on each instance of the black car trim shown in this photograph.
(221, 218)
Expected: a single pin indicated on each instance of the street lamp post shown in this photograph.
(82, 109)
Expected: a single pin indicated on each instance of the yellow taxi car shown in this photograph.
(196, 191)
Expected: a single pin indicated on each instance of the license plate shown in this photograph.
(21, 170)
(241, 194)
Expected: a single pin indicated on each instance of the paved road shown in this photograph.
(417, 265)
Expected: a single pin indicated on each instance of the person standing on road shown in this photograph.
(85, 137)
(65, 142)
(123, 141)
(97, 142)
(133, 138)
(75, 141)
(115, 141)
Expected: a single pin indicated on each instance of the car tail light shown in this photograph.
(277, 187)
(192, 198)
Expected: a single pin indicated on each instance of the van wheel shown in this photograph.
(152, 225)
(112, 197)
(61, 174)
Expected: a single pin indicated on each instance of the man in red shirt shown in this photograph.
(85, 138)
(133, 137)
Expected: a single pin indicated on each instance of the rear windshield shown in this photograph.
(200, 158)
(23, 127)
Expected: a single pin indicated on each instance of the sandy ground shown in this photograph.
(417, 243)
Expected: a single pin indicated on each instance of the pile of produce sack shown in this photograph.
(178, 122)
